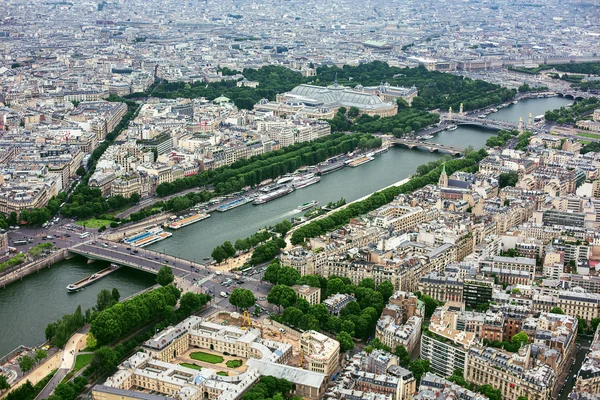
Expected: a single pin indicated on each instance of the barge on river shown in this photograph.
(74, 287)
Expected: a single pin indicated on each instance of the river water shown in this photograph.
(27, 307)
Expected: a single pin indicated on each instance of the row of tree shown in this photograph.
(378, 199)
(568, 115)
(501, 138)
(123, 318)
(60, 331)
(252, 171)
(266, 244)
(86, 202)
(28, 391)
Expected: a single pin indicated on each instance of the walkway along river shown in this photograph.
(27, 307)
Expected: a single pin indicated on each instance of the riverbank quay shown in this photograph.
(20, 271)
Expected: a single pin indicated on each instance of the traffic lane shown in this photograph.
(101, 251)
(145, 258)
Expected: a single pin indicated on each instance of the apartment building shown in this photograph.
(308, 293)
(320, 352)
(435, 387)
(101, 116)
(393, 332)
(373, 376)
(443, 345)
(510, 270)
(510, 373)
(336, 302)
(477, 290)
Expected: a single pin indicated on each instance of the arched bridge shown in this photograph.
(123, 254)
(487, 123)
(431, 147)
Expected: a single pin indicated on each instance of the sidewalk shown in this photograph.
(76, 342)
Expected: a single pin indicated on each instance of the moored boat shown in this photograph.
(305, 180)
(308, 205)
(274, 194)
(233, 204)
(188, 220)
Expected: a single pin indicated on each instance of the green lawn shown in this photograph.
(94, 223)
(209, 358)
(192, 366)
(234, 363)
(589, 135)
(584, 142)
(222, 373)
(82, 360)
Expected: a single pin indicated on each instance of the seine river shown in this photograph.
(27, 307)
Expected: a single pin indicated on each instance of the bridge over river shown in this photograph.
(134, 257)
(431, 147)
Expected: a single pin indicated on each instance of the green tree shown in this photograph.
(348, 327)
(242, 298)
(90, 341)
(386, 288)
(104, 299)
(320, 312)
(367, 283)
(508, 179)
(229, 249)
(282, 295)
(418, 368)
(458, 378)
(191, 302)
(594, 323)
(40, 354)
(165, 276)
(292, 316)
(283, 227)
(403, 356)
(557, 310)
(65, 391)
(105, 359)
(272, 272)
(430, 305)
(490, 392)
(26, 363)
(335, 285)
(219, 254)
(287, 276)
(346, 342)
(353, 112)
(116, 295)
(80, 171)
(3, 383)
(520, 338)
